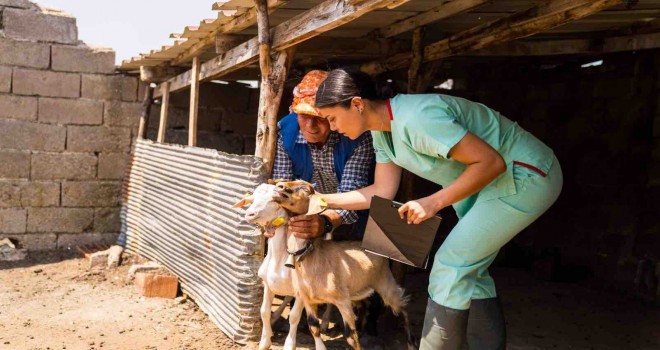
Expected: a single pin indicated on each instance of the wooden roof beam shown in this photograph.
(572, 46)
(519, 25)
(435, 14)
(319, 19)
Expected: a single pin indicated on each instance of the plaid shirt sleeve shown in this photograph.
(356, 173)
(283, 167)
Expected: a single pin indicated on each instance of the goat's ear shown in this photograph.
(276, 181)
(317, 204)
(243, 202)
(271, 182)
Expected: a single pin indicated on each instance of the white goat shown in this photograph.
(272, 218)
(335, 272)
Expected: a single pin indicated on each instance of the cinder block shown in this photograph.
(91, 194)
(152, 285)
(14, 193)
(98, 139)
(5, 79)
(107, 219)
(112, 165)
(238, 123)
(31, 136)
(40, 194)
(82, 59)
(25, 4)
(109, 87)
(142, 90)
(63, 166)
(51, 26)
(36, 241)
(14, 164)
(24, 53)
(68, 111)
(12, 220)
(70, 240)
(46, 83)
(122, 113)
(18, 107)
(60, 219)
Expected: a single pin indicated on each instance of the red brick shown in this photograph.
(152, 285)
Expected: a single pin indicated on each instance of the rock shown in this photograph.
(114, 255)
(9, 252)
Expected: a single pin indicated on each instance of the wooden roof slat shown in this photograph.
(443, 11)
(518, 25)
(323, 17)
(234, 25)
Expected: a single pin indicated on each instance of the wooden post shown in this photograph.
(146, 110)
(194, 103)
(273, 75)
(164, 105)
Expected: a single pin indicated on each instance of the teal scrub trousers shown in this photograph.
(460, 268)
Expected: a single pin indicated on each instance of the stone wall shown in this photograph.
(67, 121)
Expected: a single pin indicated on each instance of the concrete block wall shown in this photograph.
(603, 123)
(227, 118)
(67, 122)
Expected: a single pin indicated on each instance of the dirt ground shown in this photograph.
(52, 301)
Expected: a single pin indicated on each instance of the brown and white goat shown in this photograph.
(277, 278)
(338, 273)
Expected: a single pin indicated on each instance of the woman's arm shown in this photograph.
(386, 183)
(484, 164)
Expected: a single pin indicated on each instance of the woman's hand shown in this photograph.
(420, 209)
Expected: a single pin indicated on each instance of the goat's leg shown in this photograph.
(294, 319)
(325, 322)
(350, 332)
(267, 330)
(393, 297)
(276, 315)
(314, 325)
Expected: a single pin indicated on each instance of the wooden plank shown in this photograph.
(224, 42)
(157, 74)
(235, 25)
(443, 11)
(164, 107)
(144, 114)
(322, 18)
(415, 63)
(194, 103)
(519, 25)
(572, 46)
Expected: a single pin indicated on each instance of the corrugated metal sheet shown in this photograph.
(177, 210)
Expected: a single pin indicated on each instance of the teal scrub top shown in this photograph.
(426, 126)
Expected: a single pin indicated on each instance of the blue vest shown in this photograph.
(303, 167)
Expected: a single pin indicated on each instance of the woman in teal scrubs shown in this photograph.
(498, 177)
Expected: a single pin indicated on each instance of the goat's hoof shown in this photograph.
(264, 345)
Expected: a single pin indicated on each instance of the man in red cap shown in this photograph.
(308, 150)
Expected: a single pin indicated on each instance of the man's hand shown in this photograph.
(306, 226)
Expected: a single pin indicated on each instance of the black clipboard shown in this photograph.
(388, 235)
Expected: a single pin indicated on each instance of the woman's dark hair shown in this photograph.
(341, 86)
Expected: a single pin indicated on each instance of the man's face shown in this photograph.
(314, 129)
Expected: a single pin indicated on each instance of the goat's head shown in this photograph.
(296, 196)
(263, 210)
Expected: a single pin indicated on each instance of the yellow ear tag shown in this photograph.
(278, 222)
(322, 203)
(247, 194)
